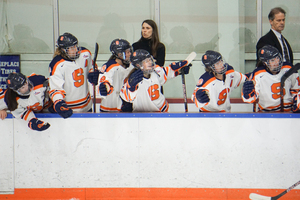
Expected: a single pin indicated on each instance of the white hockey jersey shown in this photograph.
(267, 89)
(68, 81)
(218, 90)
(114, 74)
(37, 101)
(148, 96)
(2, 102)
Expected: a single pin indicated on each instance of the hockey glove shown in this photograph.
(202, 96)
(62, 109)
(295, 108)
(134, 79)
(38, 125)
(93, 77)
(175, 66)
(248, 89)
(103, 88)
(186, 69)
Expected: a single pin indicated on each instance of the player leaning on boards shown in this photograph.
(112, 75)
(265, 83)
(26, 96)
(3, 107)
(212, 93)
(68, 77)
(142, 90)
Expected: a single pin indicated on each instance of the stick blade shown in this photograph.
(254, 196)
(191, 57)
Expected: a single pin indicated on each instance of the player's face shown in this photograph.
(127, 54)
(278, 23)
(25, 89)
(219, 67)
(148, 65)
(146, 31)
(72, 51)
(274, 64)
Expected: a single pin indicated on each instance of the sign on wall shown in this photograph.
(8, 64)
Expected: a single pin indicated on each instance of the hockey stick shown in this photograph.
(255, 196)
(190, 58)
(94, 65)
(294, 69)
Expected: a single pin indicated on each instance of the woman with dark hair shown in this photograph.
(26, 96)
(150, 42)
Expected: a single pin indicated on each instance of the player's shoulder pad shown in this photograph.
(259, 70)
(83, 49)
(37, 79)
(57, 59)
(204, 78)
(108, 66)
(229, 69)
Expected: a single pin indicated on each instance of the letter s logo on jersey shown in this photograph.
(200, 82)
(103, 68)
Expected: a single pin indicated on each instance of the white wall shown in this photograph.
(192, 150)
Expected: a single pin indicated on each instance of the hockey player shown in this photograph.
(265, 86)
(3, 107)
(212, 93)
(69, 89)
(112, 75)
(26, 96)
(142, 90)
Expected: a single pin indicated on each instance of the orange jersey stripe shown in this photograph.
(55, 66)
(109, 109)
(111, 66)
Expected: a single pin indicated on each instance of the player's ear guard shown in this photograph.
(38, 125)
(62, 108)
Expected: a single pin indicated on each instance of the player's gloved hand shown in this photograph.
(62, 108)
(134, 79)
(186, 69)
(248, 89)
(105, 88)
(202, 96)
(93, 77)
(38, 125)
(295, 109)
(177, 65)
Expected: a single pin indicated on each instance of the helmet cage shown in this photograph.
(74, 56)
(119, 47)
(271, 62)
(143, 60)
(29, 89)
(147, 65)
(269, 55)
(224, 67)
(67, 41)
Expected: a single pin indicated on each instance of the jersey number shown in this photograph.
(78, 77)
(223, 96)
(153, 92)
(275, 89)
(35, 107)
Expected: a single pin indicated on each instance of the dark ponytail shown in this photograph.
(11, 99)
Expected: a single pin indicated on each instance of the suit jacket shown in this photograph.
(271, 39)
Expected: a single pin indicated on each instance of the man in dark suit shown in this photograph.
(274, 36)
